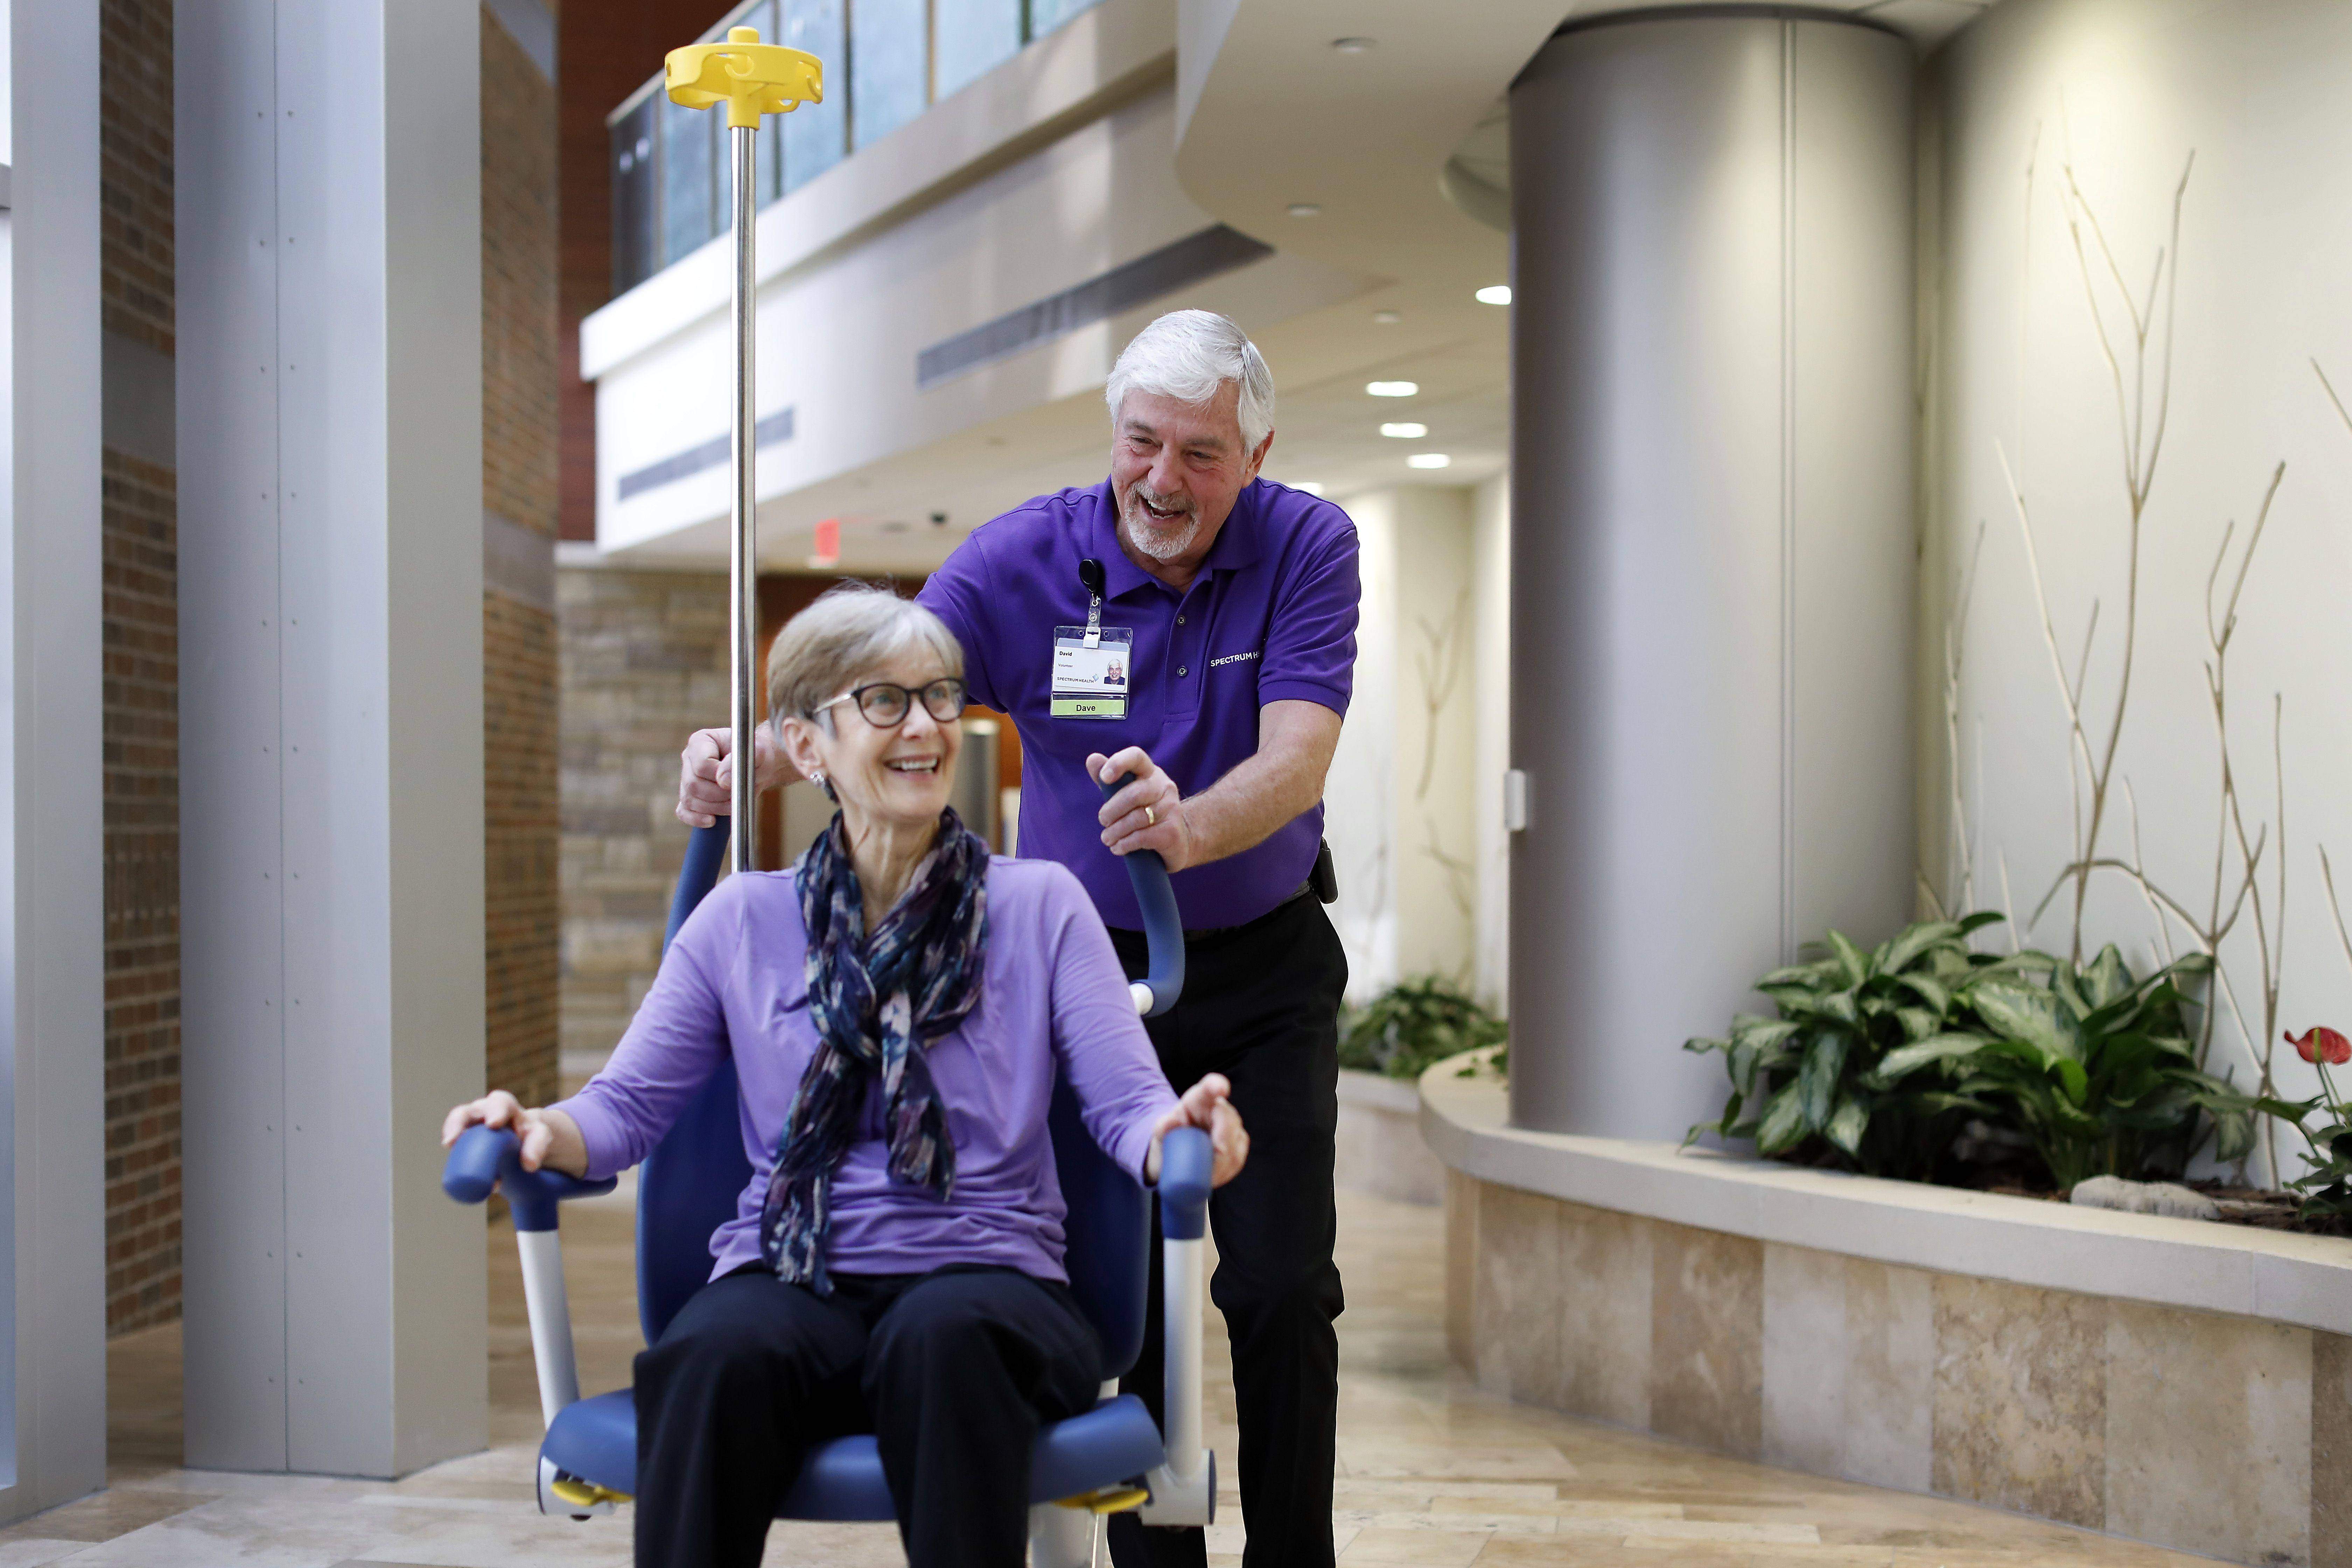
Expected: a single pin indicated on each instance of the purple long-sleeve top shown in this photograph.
(1052, 996)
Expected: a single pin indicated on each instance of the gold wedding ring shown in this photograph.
(1150, 817)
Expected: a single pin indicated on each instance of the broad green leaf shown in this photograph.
(1978, 920)
(1845, 1128)
(1782, 1125)
(2076, 1081)
(2027, 1012)
(1929, 990)
(2062, 986)
(2106, 978)
(1935, 1049)
(1850, 959)
(1817, 1080)
(1906, 946)
(1918, 1023)
(1702, 1044)
(1748, 1029)
(1840, 1005)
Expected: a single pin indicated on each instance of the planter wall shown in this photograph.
(1380, 1149)
(2062, 1362)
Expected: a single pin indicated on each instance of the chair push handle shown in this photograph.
(1163, 928)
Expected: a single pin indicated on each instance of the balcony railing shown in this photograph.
(885, 61)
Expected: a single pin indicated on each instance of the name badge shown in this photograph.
(1092, 669)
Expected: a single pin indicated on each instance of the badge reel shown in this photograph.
(1094, 665)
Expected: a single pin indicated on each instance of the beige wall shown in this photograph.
(2200, 1431)
(1400, 814)
(2058, 132)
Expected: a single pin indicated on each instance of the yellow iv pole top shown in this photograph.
(749, 77)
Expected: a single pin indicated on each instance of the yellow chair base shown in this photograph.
(1108, 1499)
(583, 1494)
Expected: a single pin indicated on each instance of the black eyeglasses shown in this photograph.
(885, 704)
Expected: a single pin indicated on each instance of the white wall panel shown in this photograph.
(52, 1046)
(332, 889)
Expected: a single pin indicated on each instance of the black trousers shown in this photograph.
(1261, 1006)
(953, 1372)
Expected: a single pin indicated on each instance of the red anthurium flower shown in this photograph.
(2320, 1043)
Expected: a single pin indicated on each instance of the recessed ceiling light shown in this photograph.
(1495, 294)
(1312, 487)
(1387, 318)
(1304, 209)
(1355, 45)
(1392, 388)
(1405, 430)
(1428, 460)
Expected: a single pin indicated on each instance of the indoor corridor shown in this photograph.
(1434, 1473)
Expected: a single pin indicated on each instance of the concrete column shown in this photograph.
(330, 406)
(1711, 537)
(52, 935)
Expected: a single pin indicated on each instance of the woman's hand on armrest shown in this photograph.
(550, 1138)
(706, 777)
(1205, 1105)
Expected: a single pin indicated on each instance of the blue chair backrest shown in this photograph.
(690, 1183)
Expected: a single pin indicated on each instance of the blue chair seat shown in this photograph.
(597, 1439)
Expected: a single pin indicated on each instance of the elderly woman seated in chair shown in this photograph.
(897, 1006)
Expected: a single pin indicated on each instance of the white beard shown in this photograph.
(1162, 541)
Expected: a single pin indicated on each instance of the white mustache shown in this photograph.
(1146, 497)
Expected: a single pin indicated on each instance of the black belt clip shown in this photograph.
(1325, 879)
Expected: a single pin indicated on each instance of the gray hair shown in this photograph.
(851, 630)
(1189, 355)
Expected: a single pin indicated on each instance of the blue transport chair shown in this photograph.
(1107, 1460)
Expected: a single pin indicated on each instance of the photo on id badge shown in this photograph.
(1090, 671)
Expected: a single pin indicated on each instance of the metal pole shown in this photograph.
(743, 613)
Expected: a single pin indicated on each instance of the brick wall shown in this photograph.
(644, 662)
(520, 692)
(140, 629)
(143, 896)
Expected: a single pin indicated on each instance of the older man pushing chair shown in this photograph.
(1192, 626)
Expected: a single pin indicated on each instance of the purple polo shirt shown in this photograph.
(1272, 615)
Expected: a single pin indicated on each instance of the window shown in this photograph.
(1044, 16)
(973, 37)
(636, 197)
(815, 135)
(688, 177)
(889, 67)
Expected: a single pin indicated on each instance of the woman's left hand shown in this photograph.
(1207, 1105)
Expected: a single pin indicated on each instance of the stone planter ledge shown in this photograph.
(2200, 1264)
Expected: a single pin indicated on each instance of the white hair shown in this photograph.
(851, 629)
(1189, 355)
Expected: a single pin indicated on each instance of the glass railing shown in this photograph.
(885, 61)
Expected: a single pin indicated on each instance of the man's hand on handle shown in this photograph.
(1208, 1106)
(1149, 812)
(706, 772)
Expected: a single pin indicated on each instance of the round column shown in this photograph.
(1712, 538)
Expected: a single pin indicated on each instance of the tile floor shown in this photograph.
(1434, 1473)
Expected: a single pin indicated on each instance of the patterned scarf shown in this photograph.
(877, 1003)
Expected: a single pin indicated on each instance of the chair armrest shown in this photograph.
(487, 1157)
(491, 1157)
(1185, 1489)
(1185, 1164)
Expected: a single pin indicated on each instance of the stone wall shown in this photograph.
(644, 660)
(519, 689)
(2206, 1432)
(140, 765)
